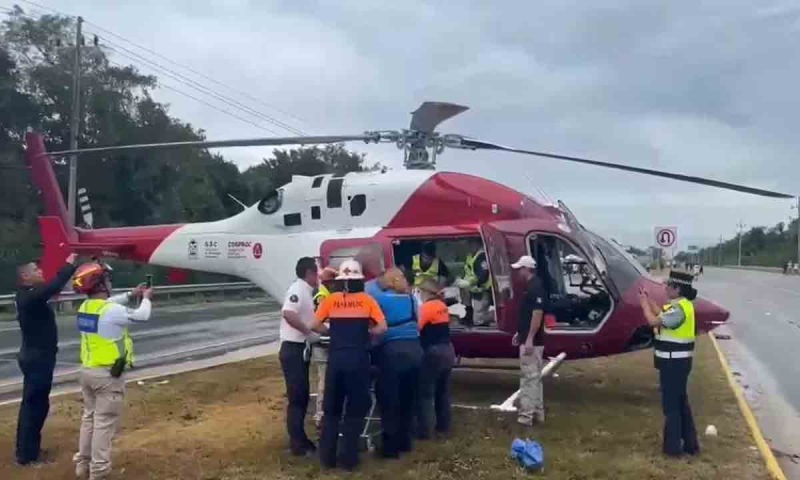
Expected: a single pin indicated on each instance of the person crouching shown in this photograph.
(353, 316)
(437, 364)
(399, 360)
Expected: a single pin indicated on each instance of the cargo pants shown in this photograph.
(531, 393)
(103, 401)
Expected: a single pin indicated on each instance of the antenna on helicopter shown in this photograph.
(244, 207)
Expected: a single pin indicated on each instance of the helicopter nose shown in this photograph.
(709, 314)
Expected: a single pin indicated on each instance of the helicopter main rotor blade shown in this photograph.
(479, 145)
(253, 142)
(430, 114)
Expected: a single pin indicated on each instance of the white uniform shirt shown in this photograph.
(299, 298)
(117, 316)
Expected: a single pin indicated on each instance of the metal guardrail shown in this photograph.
(758, 269)
(67, 296)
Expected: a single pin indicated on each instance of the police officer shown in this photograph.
(353, 316)
(438, 361)
(37, 354)
(674, 349)
(297, 318)
(399, 360)
(106, 351)
(319, 351)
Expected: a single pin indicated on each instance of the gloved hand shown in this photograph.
(461, 283)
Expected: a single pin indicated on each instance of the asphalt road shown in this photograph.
(765, 319)
(173, 333)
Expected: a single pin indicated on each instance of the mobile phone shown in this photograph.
(149, 281)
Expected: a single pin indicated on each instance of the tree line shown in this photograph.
(131, 188)
(761, 246)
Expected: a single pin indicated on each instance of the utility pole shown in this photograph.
(741, 226)
(75, 124)
(719, 253)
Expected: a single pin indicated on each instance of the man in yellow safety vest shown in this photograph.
(106, 351)
(673, 352)
(478, 282)
(319, 351)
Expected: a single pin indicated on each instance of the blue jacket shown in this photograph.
(399, 309)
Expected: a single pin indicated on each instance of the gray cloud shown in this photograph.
(705, 88)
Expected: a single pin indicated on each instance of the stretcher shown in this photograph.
(372, 423)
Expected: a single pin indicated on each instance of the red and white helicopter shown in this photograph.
(382, 218)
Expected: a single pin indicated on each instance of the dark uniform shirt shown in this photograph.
(535, 299)
(36, 318)
(350, 316)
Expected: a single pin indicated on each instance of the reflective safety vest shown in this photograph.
(471, 277)
(322, 294)
(419, 276)
(96, 350)
(679, 342)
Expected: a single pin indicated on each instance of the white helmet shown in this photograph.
(350, 270)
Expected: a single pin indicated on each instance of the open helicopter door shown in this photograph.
(494, 242)
(370, 252)
(589, 249)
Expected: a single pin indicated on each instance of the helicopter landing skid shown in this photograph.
(510, 404)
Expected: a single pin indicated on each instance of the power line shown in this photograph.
(187, 68)
(215, 107)
(197, 86)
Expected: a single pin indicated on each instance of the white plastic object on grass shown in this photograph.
(711, 431)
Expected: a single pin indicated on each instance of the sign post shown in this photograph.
(667, 238)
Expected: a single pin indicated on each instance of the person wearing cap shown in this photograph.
(106, 352)
(530, 338)
(438, 361)
(399, 358)
(352, 318)
(673, 350)
(297, 318)
(37, 354)
(319, 351)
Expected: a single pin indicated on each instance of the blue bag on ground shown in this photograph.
(528, 453)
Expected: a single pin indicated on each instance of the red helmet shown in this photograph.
(89, 276)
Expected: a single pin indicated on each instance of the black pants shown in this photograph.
(37, 370)
(434, 395)
(398, 382)
(347, 379)
(680, 435)
(295, 373)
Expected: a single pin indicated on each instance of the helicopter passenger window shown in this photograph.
(579, 299)
(358, 204)
(292, 220)
(334, 193)
(315, 213)
(317, 182)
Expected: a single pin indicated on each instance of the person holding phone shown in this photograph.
(673, 350)
(106, 352)
(37, 354)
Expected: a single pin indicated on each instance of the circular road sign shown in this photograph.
(665, 237)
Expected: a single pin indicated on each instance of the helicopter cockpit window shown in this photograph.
(579, 297)
(271, 203)
(623, 270)
(358, 204)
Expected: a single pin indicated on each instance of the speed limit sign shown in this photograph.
(666, 236)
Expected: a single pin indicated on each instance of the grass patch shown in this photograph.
(227, 423)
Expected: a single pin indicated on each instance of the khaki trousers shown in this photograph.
(319, 358)
(531, 394)
(103, 401)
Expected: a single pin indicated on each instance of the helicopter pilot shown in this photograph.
(673, 352)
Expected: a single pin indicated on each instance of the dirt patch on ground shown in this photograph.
(604, 421)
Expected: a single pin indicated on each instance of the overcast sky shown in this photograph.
(704, 88)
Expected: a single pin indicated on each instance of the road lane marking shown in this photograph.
(766, 452)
